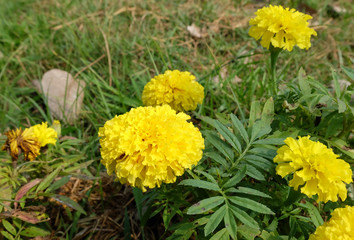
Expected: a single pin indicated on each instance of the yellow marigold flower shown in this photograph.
(316, 166)
(339, 227)
(150, 145)
(283, 28)
(175, 88)
(44, 134)
(21, 141)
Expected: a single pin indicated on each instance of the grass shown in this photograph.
(116, 47)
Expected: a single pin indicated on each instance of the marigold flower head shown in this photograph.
(150, 145)
(316, 167)
(29, 141)
(19, 141)
(44, 134)
(339, 227)
(283, 28)
(175, 88)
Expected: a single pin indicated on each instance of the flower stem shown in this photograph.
(274, 53)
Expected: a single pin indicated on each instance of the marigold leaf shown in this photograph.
(205, 205)
(239, 126)
(270, 141)
(268, 112)
(251, 191)
(349, 72)
(8, 227)
(254, 173)
(229, 136)
(221, 235)
(314, 213)
(236, 179)
(200, 184)
(219, 144)
(250, 204)
(34, 231)
(214, 220)
(7, 235)
(244, 217)
(217, 158)
(230, 224)
(48, 180)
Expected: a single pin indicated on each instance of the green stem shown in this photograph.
(274, 53)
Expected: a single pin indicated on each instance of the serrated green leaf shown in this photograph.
(221, 235)
(255, 113)
(314, 213)
(8, 227)
(250, 204)
(7, 235)
(270, 141)
(217, 158)
(214, 220)
(48, 180)
(239, 126)
(336, 83)
(78, 167)
(268, 112)
(259, 129)
(205, 205)
(244, 217)
(318, 85)
(251, 191)
(349, 72)
(341, 106)
(200, 184)
(236, 179)
(208, 176)
(68, 202)
(304, 86)
(220, 145)
(260, 162)
(229, 136)
(254, 173)
(34, 231)
(230, 224)
(250, 233)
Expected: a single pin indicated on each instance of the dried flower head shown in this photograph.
(29, 141)
(282, 28)
(19, 141)
(175, 88)
(150, 145)
(316, 167)
(339, 227)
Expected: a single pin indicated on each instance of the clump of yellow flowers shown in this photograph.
(150, 145)
(281, 28)
(340, 226)
(29, 141)
(316, 167)
(178, 89)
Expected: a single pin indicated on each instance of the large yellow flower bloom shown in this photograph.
(19, 141)
(316, 166)
(175, 88)
(283, 28)
(339, 227)
(150, 145)
(44, 134)
(29, 141)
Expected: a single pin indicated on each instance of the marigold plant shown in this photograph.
(282, 28)
(178, 89)
(316, 167)
(29, 141)
(150, 145)
(340, 226)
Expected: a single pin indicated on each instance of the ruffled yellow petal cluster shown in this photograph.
(283, 28)
(150, 145)
(29, 141)
(339, 227)
(316, 167)
(175, 88)
(43, 134)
